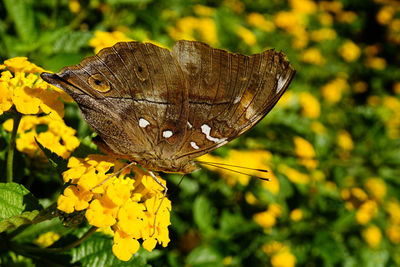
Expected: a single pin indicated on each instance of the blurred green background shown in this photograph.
(331, 144)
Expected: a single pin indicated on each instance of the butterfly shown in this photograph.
(163, 108)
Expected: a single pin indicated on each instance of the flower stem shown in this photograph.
(11, 147)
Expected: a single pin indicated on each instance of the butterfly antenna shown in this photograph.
(114, 174)
(220, 165)
(159, 205)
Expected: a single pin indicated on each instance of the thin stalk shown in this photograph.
(11, 147)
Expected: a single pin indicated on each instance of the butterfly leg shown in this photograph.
(114, 174)
(159, 205)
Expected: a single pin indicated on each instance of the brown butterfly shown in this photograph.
(162, 108)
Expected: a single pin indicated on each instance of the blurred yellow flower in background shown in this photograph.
(296, 215)
(372, 235)
(305, 152)
(366, 212)
(267, 219)
(259, 21)
(376, 187)
(345, 141)
(349, 51)
(323, 34)
(312, 56)
(246, 35)
(310, 106)
(280, 254)
(192, 28)
(294, 175)
(103, 39)
(333, 90)
(47, 239)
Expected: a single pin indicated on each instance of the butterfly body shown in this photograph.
(163, 108)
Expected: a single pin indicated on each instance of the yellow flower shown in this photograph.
(203, 11)
(376, 187)
(257, 20)
(247, 36)
(256, 159)
(107, 39)
(74, 6)
(393, 233)
(385, 14)
(323, 34)
(333, 90)
(349, 51)
(318, 127)
(47, 239)
(396, 88)
(296, 215)
(273, 247)
(303, 6)
(58, 138)
(377, 63)
(126, 204)
(366, 212)
(345, 141)
(294, 175)
(312, 56)
(310, 105)
(305, 152)
(283, 259)
(393, 209)
(191, 28)
(265, 219)
(372, 235)
(346, 16)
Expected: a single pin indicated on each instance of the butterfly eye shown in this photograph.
(99, 83)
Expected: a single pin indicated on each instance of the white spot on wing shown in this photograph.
(237, 99)
(143, 123)
(167, 133)
(194, 145)
(206, 129)
(190, 125)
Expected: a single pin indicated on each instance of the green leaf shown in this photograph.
(97, 251)
(56, 161)
(21, 12)
(204, 256)
(15, 199)
(204, 214)
(18, 220)
(17, 206)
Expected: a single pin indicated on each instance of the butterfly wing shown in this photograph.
(228, 93)
(134, 95)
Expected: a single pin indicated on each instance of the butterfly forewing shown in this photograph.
(228, 93)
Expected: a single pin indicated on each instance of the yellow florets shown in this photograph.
(127, 204)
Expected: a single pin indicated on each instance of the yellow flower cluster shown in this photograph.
(21, 86)
(267, 219)
(388, 15)
(372, 235)
(246, 35)
(296, 215)
(349, 51)
(192, 28)
(106, 39)
(294, 175)
(312, 56)
(257, 20)
(280, 254)
(392, 122)
(58, 137)
(126, 204)
(367, 208)
(47, 239)
(305, 153)
(333, 90)
(393, 230)
(310, 107)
